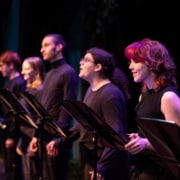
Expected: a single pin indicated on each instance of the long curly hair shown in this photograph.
(157, 58)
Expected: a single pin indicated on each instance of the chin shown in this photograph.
(136, 80)
(80, 74)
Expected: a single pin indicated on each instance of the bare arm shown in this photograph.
(170, 107)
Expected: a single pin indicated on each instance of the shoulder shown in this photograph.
(67, 69)
(170, 93)
(19, 81)
(112, 91)
(170, 106)
(169, 101)
(170, 96)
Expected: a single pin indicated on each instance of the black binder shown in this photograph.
(165, 138)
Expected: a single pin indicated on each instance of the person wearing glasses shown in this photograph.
(106, 95)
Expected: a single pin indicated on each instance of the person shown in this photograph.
(10, 64)
(152, 65)
(106, 95)
(61, 82)
(33, 72)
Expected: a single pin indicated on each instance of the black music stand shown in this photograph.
(93, 123)
(16, 108)
(22, 116)
(47, 123)
(165, 138)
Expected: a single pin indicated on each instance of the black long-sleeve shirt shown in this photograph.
(15, 86)
(109, 103)
(60, 83)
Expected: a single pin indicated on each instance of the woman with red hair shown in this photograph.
(152, 65)
(10, 65)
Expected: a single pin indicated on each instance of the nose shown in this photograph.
(42, 49)
(130, 65)
(81, 61)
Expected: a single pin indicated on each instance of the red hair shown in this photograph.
(158, 59)
(9, 57)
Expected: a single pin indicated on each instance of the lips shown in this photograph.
(134, 73)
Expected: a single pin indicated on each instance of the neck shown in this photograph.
(150, 81)
(57, 58)
(14, 75)
(99, 83)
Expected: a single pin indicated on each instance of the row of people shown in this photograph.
(107, 94)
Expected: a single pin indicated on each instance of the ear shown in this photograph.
(11, 66)
(98, 67)
(59, 47)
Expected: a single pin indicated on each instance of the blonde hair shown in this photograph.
(37, 64)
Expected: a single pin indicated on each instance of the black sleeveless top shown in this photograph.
(150, 104)
(150, 107)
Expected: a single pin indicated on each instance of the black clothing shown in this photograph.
(30, 161)
(60, 83)
(109, 103)
(147, 163)
(11, 158)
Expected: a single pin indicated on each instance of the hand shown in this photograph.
(136, 144)
(98, 176)
(9, 143)
(33, 145)
(51, 149)
(19, 152)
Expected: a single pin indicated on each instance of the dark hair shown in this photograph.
(158, 59)
(58, 39)
(109, 69)
(9, 57)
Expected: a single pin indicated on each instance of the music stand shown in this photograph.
(22, 116)
(47, 122)
(92, 122)
(16, 108)
(165, 138)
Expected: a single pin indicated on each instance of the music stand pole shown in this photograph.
(41, 140)
(95, 153)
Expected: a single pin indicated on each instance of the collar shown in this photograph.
(57, 63)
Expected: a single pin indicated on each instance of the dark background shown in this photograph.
(111, 24)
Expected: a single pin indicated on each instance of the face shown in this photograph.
(87, 67)
(27, 71)
(5, 70)
(140, 72)
(48, 49)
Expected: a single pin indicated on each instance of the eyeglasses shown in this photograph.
(86, 60)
